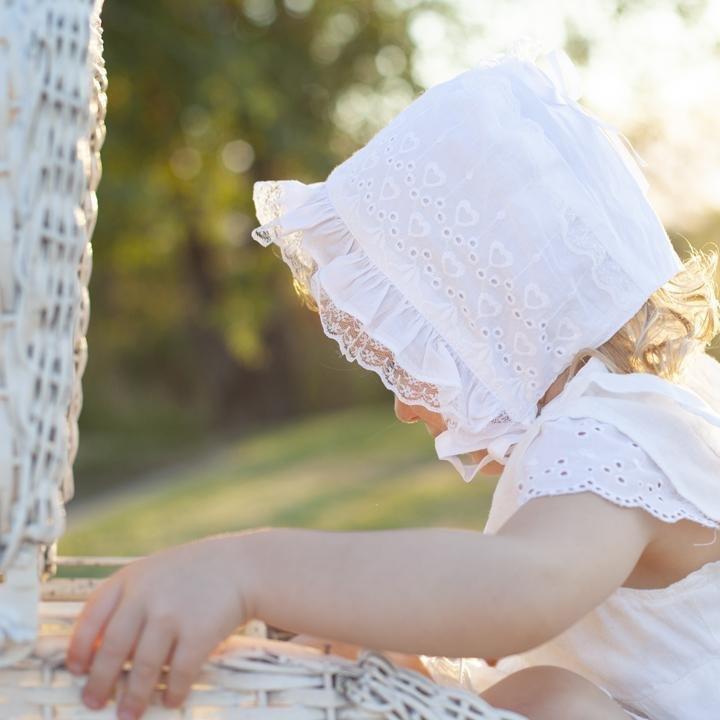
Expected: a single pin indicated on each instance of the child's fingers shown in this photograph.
(310, 641)
(89, 624)
(118, 641)
(152, 651)
(184, 670)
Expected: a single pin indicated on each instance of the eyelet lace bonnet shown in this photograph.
(490, 231)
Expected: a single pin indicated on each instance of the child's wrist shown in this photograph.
(249, 558)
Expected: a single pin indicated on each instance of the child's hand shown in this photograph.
(173, 607)
(332, 647)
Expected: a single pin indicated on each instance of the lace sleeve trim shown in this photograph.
(578, 455)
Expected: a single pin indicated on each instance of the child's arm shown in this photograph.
(436, 591)
(441, 591)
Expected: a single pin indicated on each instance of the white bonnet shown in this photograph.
(490, 231)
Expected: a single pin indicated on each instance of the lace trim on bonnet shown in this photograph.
(372, 322)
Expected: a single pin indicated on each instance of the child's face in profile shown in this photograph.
(435, 424)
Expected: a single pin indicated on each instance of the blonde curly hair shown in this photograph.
(679, 318)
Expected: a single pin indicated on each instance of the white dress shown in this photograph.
(655, 651)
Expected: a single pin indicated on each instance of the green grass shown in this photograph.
(158, 433)
(350, 470)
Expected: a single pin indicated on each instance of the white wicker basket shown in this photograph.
(52, 107)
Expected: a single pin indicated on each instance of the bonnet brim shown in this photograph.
(373, 323)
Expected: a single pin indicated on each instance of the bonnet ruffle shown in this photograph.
(360, 308)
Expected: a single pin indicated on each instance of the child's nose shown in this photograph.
(404, 413)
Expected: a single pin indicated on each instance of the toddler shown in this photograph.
(492, 255)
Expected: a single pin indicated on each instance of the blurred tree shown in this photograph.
(204, 99)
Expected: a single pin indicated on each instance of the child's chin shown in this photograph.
(491, 469)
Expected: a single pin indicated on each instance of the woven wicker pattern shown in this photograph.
(52, 106)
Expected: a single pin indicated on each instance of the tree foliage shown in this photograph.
(205, 99)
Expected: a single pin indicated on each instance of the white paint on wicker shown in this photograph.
(52, 107)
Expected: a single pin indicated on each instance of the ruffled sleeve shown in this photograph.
(572, 455)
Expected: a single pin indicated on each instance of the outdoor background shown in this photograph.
(212, 399)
